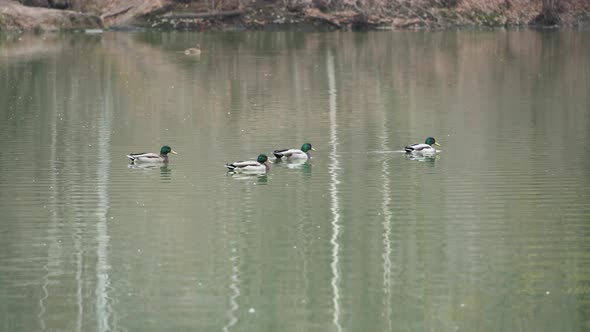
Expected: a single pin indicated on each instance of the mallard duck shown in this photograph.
(260, 165)
(149, 157)
(193, 50)
(423, 149)
(302, 153)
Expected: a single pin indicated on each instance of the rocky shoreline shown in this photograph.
(265, 15)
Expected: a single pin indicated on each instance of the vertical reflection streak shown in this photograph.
(78, 230)
(335, 203)
(79, 268)
(387, 215)
(54, 247)
(235, 272)
(103, 310)
(235, 279)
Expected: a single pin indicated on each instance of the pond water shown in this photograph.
(493, 234)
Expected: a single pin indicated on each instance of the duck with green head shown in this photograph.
(260, 165)
(149, 157)
(300, 154)
(423, 148)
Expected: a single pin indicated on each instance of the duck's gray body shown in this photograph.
(291, 154)
(422, 148)
(299, 154)
(147, 157)
(150, 157)
(248, 166)
(259, 165)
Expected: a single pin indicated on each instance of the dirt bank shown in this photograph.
(433, 14)
(301, 14)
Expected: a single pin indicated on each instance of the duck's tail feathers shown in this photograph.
(279, 153)
(230, 167)
(132, 157)
(409, 149)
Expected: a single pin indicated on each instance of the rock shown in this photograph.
(15, 16)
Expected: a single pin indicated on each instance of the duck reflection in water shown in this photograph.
(426, 159)
(165, 171)
(260, 178)
(295, 164)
